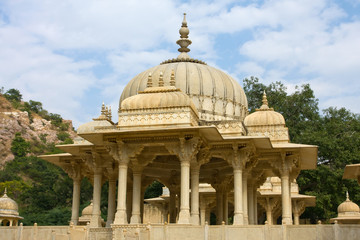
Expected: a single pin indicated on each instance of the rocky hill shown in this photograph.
(33, 128)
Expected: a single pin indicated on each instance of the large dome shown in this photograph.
(216, 95)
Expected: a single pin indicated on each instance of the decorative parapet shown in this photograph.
(231, 128)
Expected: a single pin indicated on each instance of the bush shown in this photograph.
(20, 147)
(62, 136)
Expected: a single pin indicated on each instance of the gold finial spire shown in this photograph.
(347, 196)
(172, 78)
(103, 109)
(265, 104)
(161, 80)
(109, 116)
(184, 42)
(149, 82)
(5, 193)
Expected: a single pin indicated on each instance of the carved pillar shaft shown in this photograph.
(111, 203)
(250, 204)
(172, 206)
(269, 216)
(202, 214)
(135, 216)
(184, 215)
(225, 207)
(219, 206)
(238, 201)
(285, 197)
(195, 196)
(245, 198)
(96, 218)
(75, 201)
(120, 216)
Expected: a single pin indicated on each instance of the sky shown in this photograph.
(74, 55)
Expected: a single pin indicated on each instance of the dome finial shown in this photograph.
(5, 192)
(184, 42)
(347, 196)
(265, 104)
(161, 80)
(149, 82)
(103, 109)
(172, 78)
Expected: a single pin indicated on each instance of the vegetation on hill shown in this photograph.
(42, 190)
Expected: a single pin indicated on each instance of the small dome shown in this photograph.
(158, 97)
(103, 121)
(88, 210)
(348, 207)
(266, 122)
(264, 116)
(8, 206)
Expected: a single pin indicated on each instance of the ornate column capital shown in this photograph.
(186, 150)
(241, 157)
(122, 152)
(288, 164)
(298, 207)
(74, 171)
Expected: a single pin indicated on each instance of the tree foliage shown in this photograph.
(20, 147)
(13, 95)
(335, 131)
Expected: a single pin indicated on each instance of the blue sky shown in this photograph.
(73, 55)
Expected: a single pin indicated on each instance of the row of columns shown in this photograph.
(242, 214)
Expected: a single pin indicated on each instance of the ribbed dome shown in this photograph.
(348, 207)
(158, 97)
(102, 121)
(90, 126)
(266, 122)
(264, 116)
(216, 95)
(8, 206)
(88, 210)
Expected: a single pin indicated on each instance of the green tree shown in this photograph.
(336, 132)
(153, 190)
(19, 147)
(13, 95)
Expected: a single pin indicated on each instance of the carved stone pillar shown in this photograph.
(135, 216)
(286, 199)
(186, 151)
(238, 200)
(74, 172)
(172, 206)
(95, 220)
(122, 153)
(225, 207)
(129, 195)
(184, 215)
(219, 205)
(121, 216)
(195, 171)
(245, 198)
(251, 211)
(202, 212)
(111, 202)
(298, 209)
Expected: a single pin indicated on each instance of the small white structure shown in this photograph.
(9, 211)
(348, 212)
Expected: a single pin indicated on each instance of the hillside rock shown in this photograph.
(13, 121)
